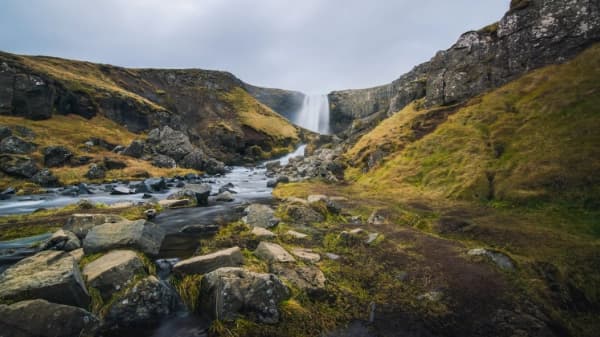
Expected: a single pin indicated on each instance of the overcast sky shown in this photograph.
(314, 46)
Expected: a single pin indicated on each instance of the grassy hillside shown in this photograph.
(514, 170)
(533, 140)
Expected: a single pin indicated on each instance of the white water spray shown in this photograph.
(314, 114)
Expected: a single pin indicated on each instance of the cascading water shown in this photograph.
(314, 114)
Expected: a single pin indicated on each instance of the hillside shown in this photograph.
(512, 172)
(212, 120)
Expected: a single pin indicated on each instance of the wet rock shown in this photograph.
(56, 156)
(279, 180)
(113, 271)
(231, 257)
(163, 161)
(303, 214)
(144, 304)
(95, 172)
(228, 292)
(273, 165)
(225, 196)
(153, 185)
(16, 145)
(49, 275)
(307, 255)
(114, 164)
(258, 215)
(63, 240)
(135, 149)
(262, 233)
(200, 191)
(142, 235)
(19, 166)
(40, 318)
(273, 252)
(45, 178)
(121, 190)
(80, 223)
(308, 278)
(200, 229)
(83, 188)
(500, 259)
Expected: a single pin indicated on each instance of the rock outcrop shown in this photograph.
(531, 35)
(113, 271)
(49, 275)
(81, 223)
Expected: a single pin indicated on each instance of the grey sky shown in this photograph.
(310, 45)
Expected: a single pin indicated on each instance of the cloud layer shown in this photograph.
(313, 46)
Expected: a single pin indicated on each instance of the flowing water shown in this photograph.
(314, 114)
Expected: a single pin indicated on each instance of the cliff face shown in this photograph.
(533, 33)
(215, 109)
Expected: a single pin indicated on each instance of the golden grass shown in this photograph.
(259, 117)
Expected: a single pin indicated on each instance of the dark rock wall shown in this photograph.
(287, 103)
(533, 33)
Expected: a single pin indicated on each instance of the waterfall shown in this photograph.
(314, 114)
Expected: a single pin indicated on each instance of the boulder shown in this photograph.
(303, 214)
(144, 304)
(80, 223)
(169, 142)
(113, 271)
(55, 156)
(62, 240)
(135, 149)
(80, 161)
(306, 255)
(40, 318)
(45, 178)
(19, 166)
(198, 160)
(225, 196)
(273, 252)
(121, 190)
(114, 164)
(142, 235)
(163, 161)
(228, 292)
(151, 185)
(262, 233)
(16, 145)
(200, 192)
(308, 278)
(231, 257)
(49, 275)
(95, 172)
(258, 215)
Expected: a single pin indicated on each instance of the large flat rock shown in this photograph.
(49, 275)
(113, 271)
(39, 318)
(230, 257)
(80, 224)
(141, 235)
(273, 252)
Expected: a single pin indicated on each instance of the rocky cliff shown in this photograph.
(216, 110)
(532, 34)
(285, 102)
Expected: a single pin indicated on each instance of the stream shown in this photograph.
(249, 185)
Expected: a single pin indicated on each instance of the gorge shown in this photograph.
(462, 199)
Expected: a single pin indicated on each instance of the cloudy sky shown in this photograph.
(313, 46)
